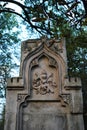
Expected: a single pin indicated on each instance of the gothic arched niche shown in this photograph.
(44, 77)
(43, 62)
(43, 74)
(42, 109)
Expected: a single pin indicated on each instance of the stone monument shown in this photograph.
(43, 97)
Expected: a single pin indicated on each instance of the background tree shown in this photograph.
(42, 14)
(77, 62)
(8, 41)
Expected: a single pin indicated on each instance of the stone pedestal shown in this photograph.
(43, 97)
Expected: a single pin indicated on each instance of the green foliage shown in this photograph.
(8, 38)
(77, 49)
(42, 14)
(50, 16)
(77, 59)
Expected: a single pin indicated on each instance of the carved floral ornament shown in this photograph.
(44, 83)
(54, 45)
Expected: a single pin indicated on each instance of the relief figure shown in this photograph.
(43, 83)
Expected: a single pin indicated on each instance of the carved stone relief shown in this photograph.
(21, 97)
(44, 83)
(66, 98)
(44, 76)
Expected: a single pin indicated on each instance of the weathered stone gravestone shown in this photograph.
(43, 97)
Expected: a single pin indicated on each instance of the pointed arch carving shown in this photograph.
(32, 60)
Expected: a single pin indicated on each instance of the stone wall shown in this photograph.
(43, 97)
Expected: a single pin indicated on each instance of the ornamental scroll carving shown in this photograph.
(44, 83)
(44, 75)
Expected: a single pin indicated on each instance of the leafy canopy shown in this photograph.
(8, 39)
(41, 15)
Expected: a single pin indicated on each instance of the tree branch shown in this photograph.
(28, 12)
(10, 11)
(15, 2)
(85, 5)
